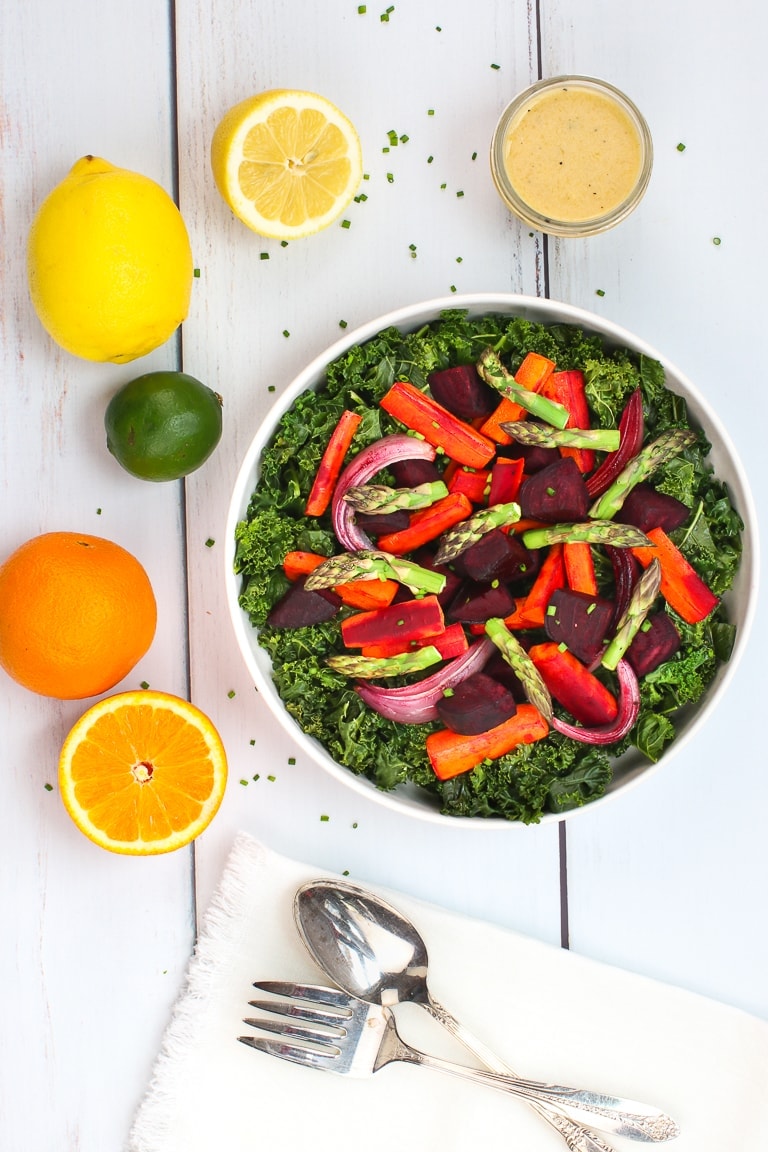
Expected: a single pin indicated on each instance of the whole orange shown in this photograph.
(77, 613)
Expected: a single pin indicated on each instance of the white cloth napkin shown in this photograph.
(550, 1014)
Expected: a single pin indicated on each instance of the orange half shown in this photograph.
(142, 773)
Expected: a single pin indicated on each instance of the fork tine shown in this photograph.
(311, 992)
(333, 1018)
(310, 1057)
(300, 1031)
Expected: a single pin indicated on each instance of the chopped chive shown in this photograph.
(390, 178)
(144, 684)
(430, 159)
(591, 609)
(346, 223)
(354, 824)
(716, 240)
(270, 387)
(459, 259)
(496, 67)
(361, 9)
(550, 491)
(324, 819)
(98, 511)
(453, 287)
(345, 872)
(430, 111)
(404, 139)
(681, 147)
(459, 193)
(562, 647)
(551, 610)
(392, 137)
(244, 783)
(385, 149)
(271, 779)
(443, 187)
(48, 787)
(646, 626)
(256, 776)
(210, 542)
(286, 333)
(263, 255)
(252, 743)
(291, 759)
(231, 694)
(599, 292)
(474, 155)
(366, 175)
(342, 323)
(196, 273)
(283, 243)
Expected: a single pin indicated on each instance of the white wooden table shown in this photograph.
(668, 880)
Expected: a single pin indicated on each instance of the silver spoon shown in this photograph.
(370, 950)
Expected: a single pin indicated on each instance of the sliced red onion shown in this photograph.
(416, 703)
(363, 468)
(629, 706)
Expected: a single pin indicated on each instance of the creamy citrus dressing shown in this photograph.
(573, 154)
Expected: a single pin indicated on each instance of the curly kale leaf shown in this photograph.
(553, 774)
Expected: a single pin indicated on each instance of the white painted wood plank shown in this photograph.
(664, 880)
(385, 76)
(94, 945)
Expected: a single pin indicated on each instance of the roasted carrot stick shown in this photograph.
(355, 593)
(331, 463)
(533, 374)
(451, 754)
(550, 576)
(681, 586)
(567, 388)
(419, 412)
(427, 524)
(573, 685)
(579, 567)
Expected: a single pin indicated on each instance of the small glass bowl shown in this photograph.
(588, 226)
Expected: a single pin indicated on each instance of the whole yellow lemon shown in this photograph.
(109, 263)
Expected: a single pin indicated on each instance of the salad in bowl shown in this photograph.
(491, 558)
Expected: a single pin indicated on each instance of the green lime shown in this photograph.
(163, 425)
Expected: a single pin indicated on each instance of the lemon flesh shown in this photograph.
(287, 163)
(109, 263)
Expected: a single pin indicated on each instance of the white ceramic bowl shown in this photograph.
(741, 600)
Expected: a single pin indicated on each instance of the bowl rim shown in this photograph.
(536, 308)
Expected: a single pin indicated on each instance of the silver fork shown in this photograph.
(328, 1029)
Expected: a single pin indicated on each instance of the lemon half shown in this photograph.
(109, 263)
(286, 162)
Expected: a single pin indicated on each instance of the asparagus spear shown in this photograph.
(467, 532)
(589, 532)
(492, 370)
(645, 592)
(379, 499)
(372, 565)
(525, 432)
(535, 689)
(376, 668)
(664, 448)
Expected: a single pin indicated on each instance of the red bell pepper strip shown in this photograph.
(450, 643)
(473, 482)
(550, 576)
(355, 593)
(681, 586)
(573, 685)
(506, 478)
(567, 388)
(331, 463)
(533, 374)
(427, 524)
(579, 567)
(419, 412)
(450, 753)
(405, 621)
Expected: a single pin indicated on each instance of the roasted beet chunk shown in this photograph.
(411, 473)
(379, 525)
(477, 604)
(645, 508)
(556, 493)
(462, 392)
(580, 621)
(299, 608)
(498, 669)
(495, 556)
(657, 641)
(475, 705)
(535, 456)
